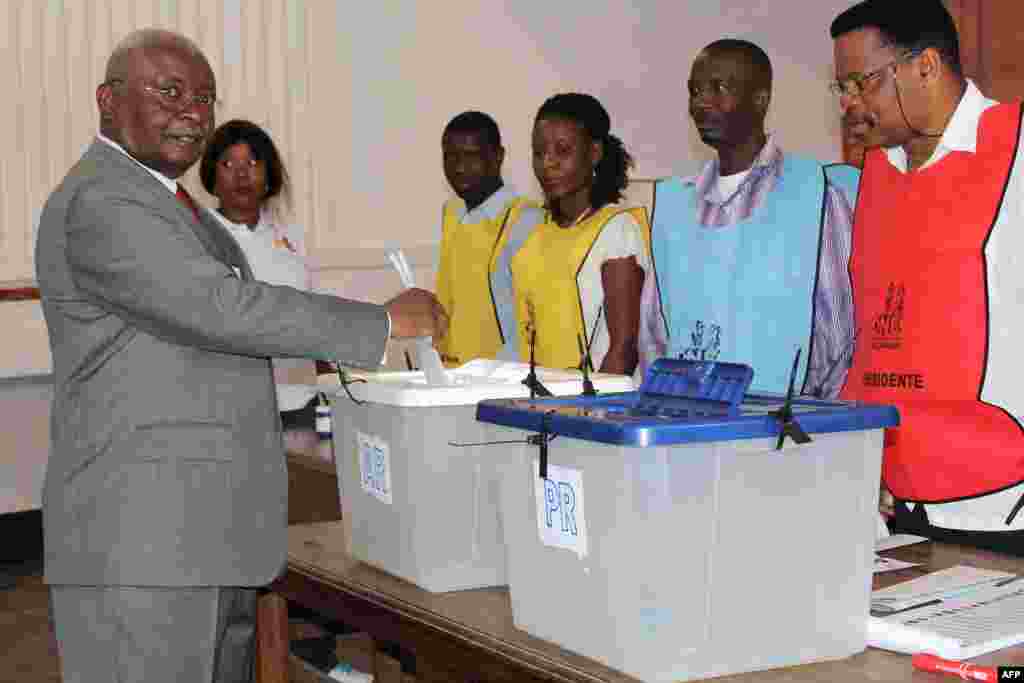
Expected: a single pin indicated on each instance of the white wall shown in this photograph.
(356, 94)
(421, 63)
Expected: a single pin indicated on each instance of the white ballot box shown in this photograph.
(417, 478)
(671, 540)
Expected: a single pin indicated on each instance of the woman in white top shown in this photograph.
(243, 169)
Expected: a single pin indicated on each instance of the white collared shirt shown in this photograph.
(490, 208)
(273, 260)
(170, 183)
(961, 134)
(727, 185)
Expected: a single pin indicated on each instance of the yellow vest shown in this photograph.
(468, 255)
(547, 294)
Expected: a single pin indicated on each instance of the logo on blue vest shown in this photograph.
(701, 348)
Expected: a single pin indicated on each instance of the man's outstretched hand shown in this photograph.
(417, 313)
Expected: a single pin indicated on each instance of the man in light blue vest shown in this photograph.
(751, 254)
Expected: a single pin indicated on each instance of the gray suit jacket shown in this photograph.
(166, 465)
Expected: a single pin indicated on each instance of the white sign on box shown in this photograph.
(374, 466)
(561, 517)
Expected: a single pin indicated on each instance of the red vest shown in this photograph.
(918, 267)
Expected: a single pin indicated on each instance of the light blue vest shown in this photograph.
(744, 293)
(501, 280)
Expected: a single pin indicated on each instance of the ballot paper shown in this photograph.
(888, 564)
(957, 613)
(888, 542)
(295, 396)
(429, 359)
(881, 529)
(941, 585)
(897, 541)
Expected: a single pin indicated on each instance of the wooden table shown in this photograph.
(469, 636)
(312, 489)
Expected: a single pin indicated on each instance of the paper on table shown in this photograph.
(987, 618)
(888, 564)
(894, 635)
(896, 541)
(883, 529)
(295, 396)
(940, 585)
(429, 359)
(888, 542)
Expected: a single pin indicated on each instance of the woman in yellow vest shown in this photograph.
(475, 228)
(578, 276)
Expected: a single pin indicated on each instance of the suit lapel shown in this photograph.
(235, 257)
(214, 238)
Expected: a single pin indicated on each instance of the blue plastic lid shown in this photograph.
(632, 419)
(675, 385)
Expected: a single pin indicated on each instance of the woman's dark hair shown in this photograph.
(232, 133)
(611, 173)
(908, 25)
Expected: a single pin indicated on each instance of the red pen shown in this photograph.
(965, 670)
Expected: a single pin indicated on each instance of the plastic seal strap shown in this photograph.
(541, 440)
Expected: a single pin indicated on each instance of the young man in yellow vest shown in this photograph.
(472, 281)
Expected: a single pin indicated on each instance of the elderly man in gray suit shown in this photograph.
(165, 494)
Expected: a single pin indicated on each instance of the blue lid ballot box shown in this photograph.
(415, 504)
(672, 541)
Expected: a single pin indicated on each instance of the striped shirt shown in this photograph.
(832, 347)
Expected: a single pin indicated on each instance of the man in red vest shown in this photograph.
(937, 275)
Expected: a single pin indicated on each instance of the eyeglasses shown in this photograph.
(855, 84)
(174, 98)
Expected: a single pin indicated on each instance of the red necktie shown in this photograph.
(186, 199)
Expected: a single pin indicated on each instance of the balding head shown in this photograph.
(120, 62)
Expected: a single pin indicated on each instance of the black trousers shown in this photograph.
(915, 521)
(302, 418)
